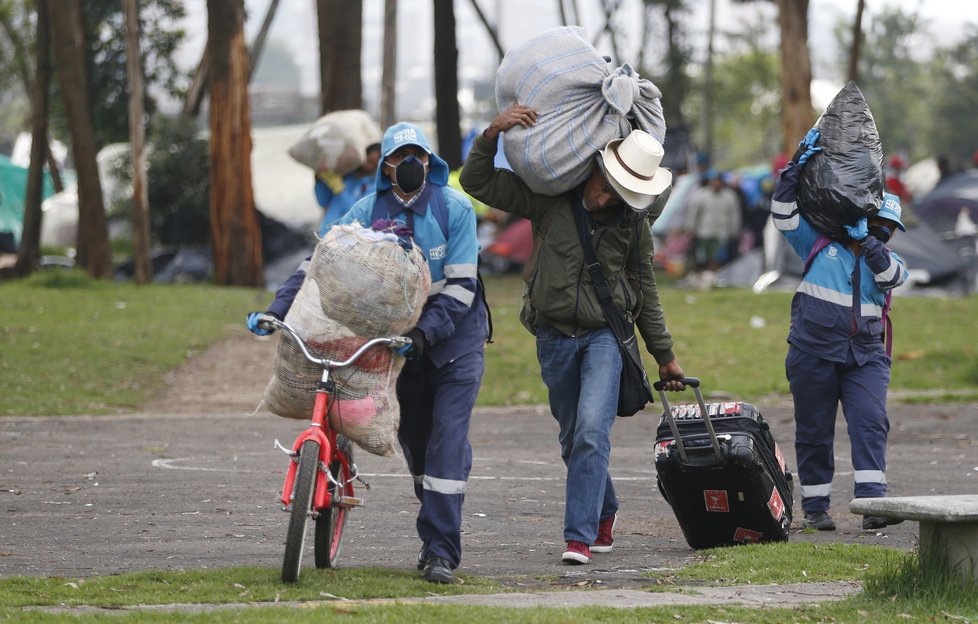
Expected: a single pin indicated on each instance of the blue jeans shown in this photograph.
(582, 375)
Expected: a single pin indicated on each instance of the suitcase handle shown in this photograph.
(694, 383)
(686, 381)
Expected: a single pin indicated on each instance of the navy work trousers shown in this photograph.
(818, 386)
(436, 408)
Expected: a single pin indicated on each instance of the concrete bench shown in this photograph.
(948, 523)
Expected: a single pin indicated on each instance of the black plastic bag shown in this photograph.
(845, 181)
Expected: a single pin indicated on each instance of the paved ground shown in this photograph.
(159, 489)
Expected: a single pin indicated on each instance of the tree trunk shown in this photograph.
(235, 233)
(340, 41)
(491, 30)
(29, 253)
(198, 84)
(143, 268)
(796, 72)
(68, 37)
(20, 55)
(254, 53)
(446, 85)
(388, 81)
(708, 87)
(857, 40)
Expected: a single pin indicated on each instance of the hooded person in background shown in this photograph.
(336, 195)
(837, 351)
(438, 386)
(579, 354)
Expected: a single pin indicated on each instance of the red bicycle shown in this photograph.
(319, 481)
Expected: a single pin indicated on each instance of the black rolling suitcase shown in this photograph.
(723, 475)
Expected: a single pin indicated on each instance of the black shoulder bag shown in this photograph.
(634, 391)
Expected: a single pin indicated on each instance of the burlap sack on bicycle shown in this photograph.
(582, 100)
(843, 182)
(360, 285)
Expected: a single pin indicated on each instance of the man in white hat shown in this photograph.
(579, 356)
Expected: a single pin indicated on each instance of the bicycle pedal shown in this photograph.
(350, 501)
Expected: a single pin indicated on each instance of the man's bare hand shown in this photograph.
(671, 373)
(515, 115)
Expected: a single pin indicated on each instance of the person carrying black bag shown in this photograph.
(580, 355)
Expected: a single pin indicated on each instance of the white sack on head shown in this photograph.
(582, 103)
(337, 142)
(361, 284)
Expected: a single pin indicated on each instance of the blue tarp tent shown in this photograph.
(13, 191)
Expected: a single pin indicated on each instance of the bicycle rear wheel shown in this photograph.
(332, 519)
(305, 485)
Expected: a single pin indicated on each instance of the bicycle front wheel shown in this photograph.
(305, 485)
(332, 519)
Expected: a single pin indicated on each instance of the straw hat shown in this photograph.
(631, 166)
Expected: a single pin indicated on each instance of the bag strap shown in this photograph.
(616, 320)
(820, 243)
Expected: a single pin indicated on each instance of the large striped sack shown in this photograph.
(582, 103)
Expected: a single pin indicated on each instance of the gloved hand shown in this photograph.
(859, 231)
(880, 233)
(806, 148)
(254, 327)
(416, 349)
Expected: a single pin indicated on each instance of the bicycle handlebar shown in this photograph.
(267, 321)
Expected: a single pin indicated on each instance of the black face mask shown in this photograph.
(409, 174)
(880, 233)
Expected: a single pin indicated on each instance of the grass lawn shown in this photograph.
(70, 345)
(898, 589)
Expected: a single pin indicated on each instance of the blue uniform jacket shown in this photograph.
(453, 319)
(839, 303)
(355, 187)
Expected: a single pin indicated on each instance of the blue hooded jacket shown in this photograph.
(453, 320)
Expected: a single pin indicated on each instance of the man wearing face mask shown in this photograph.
(839, 343)
(438, 385)
(580, 360)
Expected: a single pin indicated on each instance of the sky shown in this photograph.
(518, 20)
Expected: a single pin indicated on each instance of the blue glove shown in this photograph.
(859, 231)
(806, 148)
(253, 325)
(414, 350)
(810, 139)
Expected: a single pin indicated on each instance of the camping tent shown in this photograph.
(932, 263)
(940, 207)
(13, 191)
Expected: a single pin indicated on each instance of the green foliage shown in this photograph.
(114, 340)
(782, 562)
(108, 83)
(178, 183)
(243, 584)
(955, 100)
(746, 97)
(898, 87)
(72, 345)
(178, 193)
(927, 577)
(16, 22)
(338, 594)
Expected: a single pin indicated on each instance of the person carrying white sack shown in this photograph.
(438, 385)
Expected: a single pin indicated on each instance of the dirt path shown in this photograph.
(192, 482)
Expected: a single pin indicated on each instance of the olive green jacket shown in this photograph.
(558, 290)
